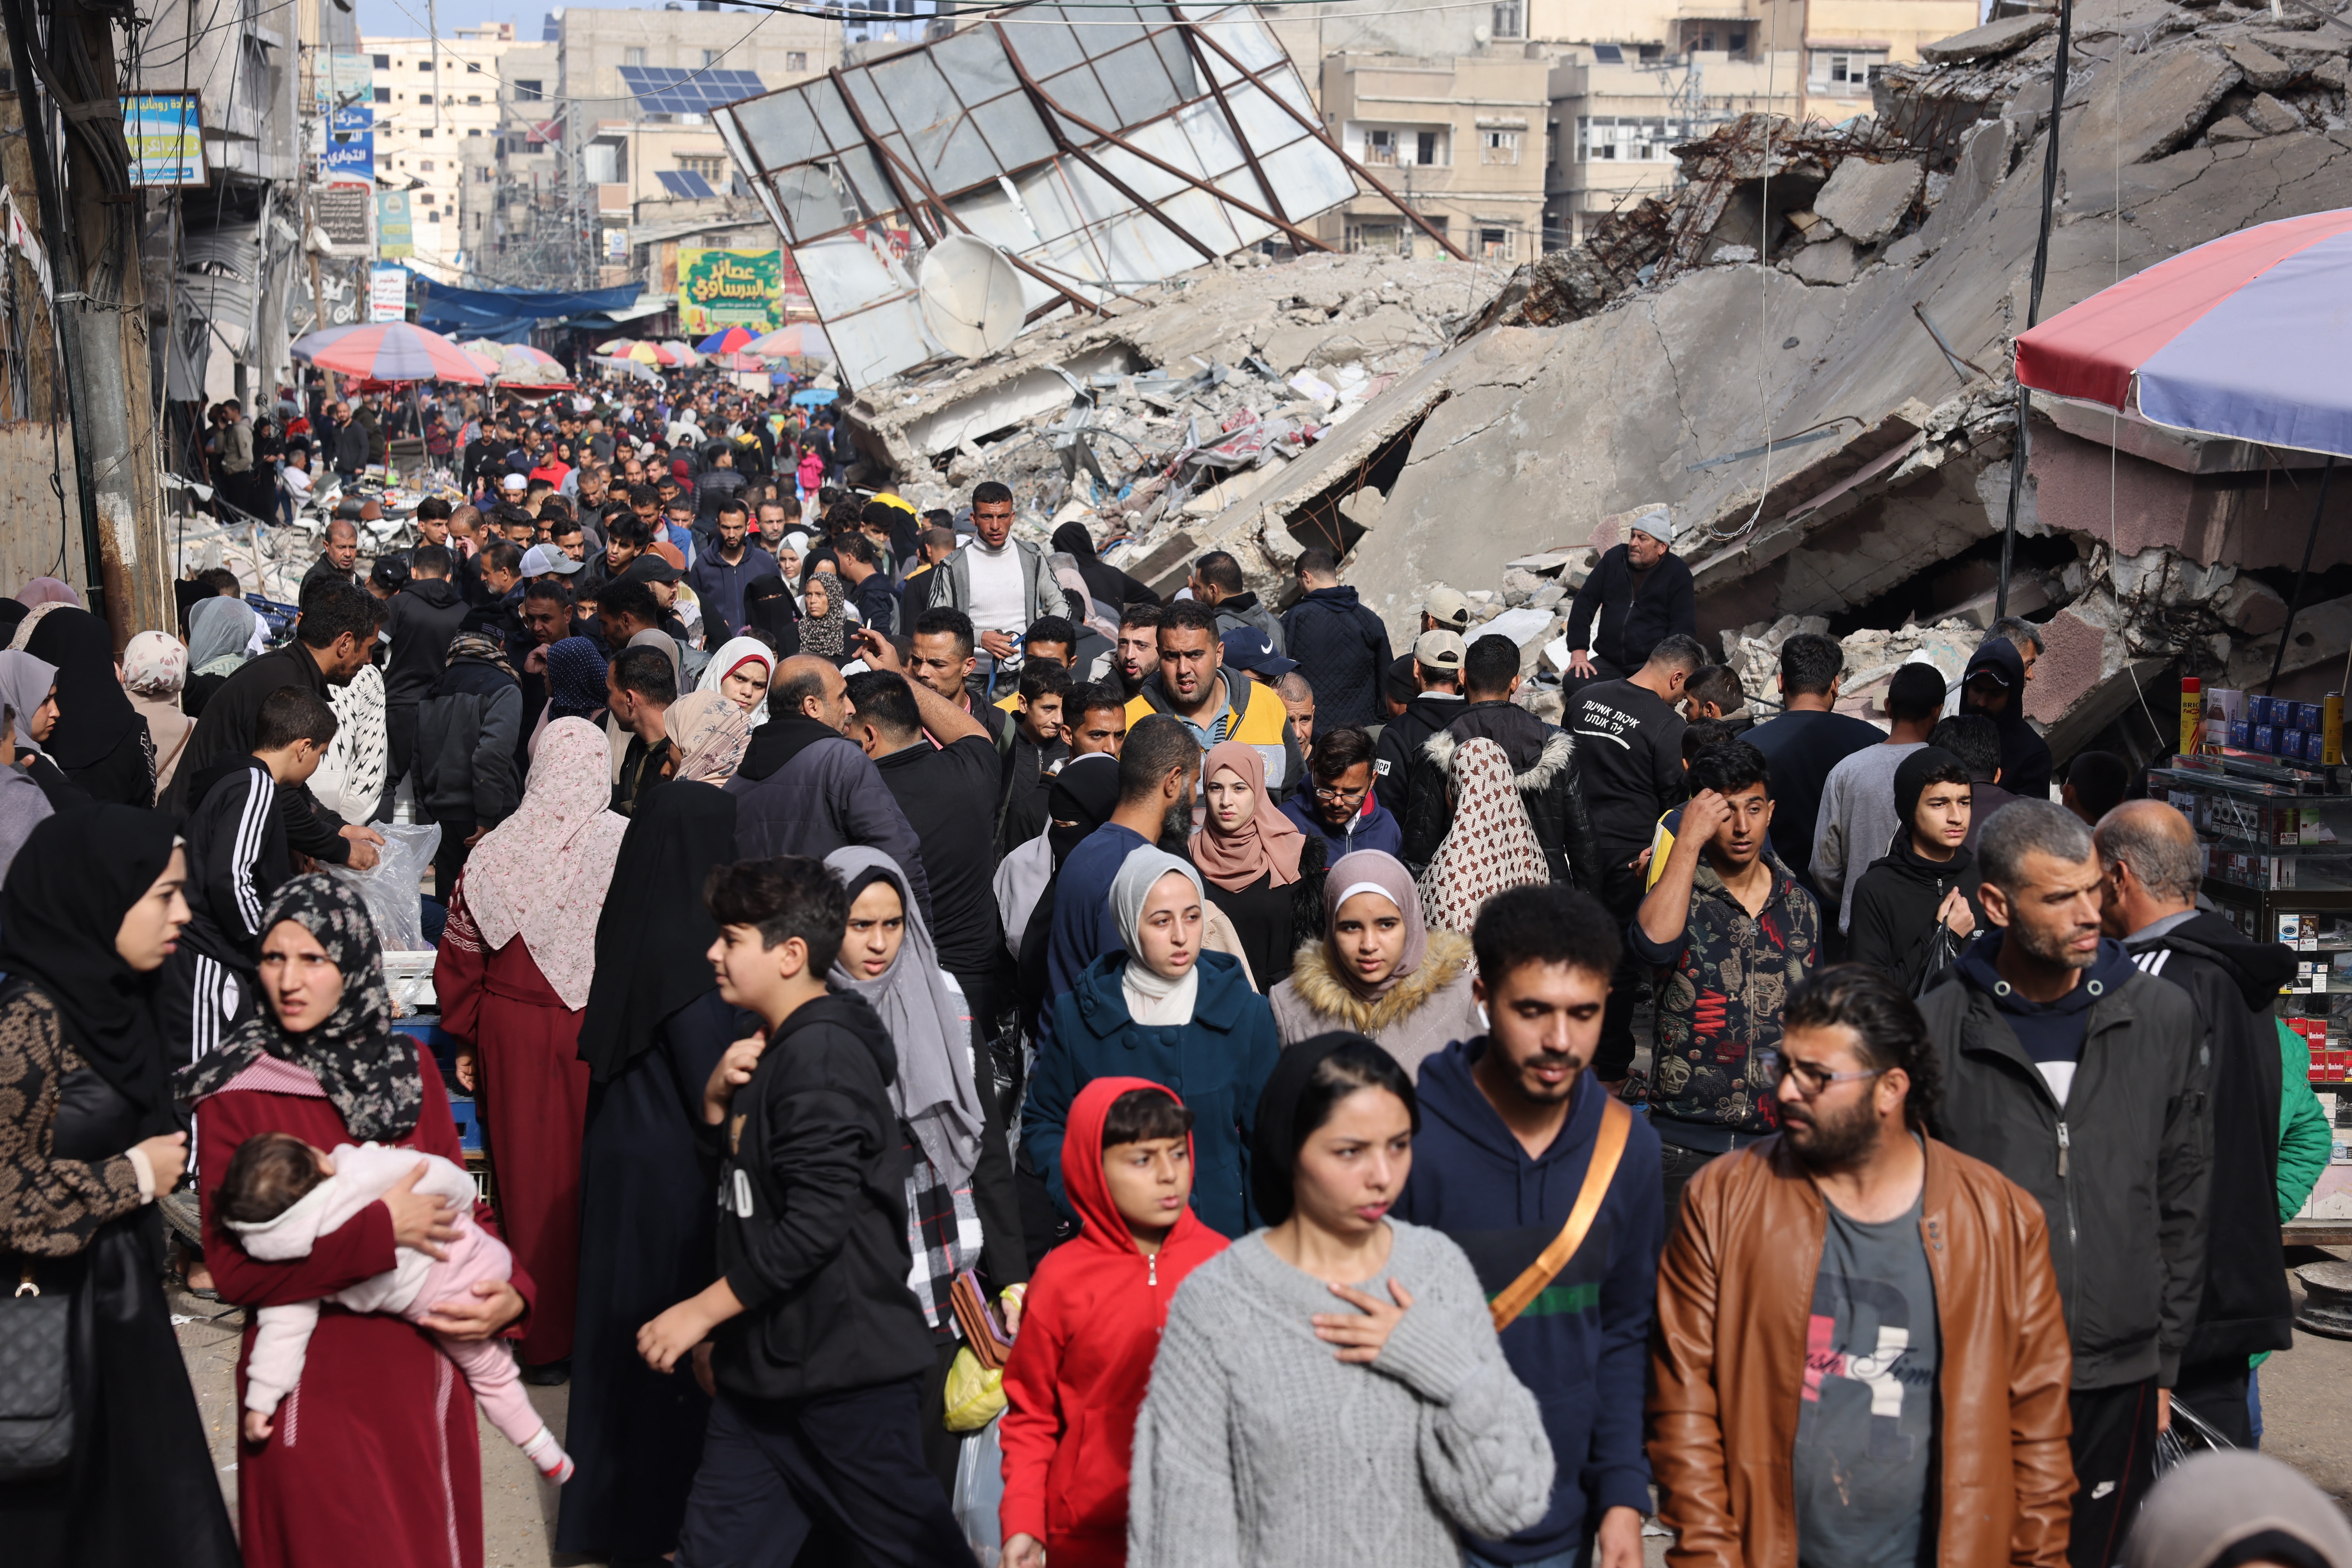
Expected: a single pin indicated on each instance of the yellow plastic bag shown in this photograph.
(975, 1397)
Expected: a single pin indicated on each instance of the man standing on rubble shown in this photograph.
(1642, 592)
(1341, 647)
(999, 581)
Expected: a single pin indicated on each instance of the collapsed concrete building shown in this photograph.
(1805, 352)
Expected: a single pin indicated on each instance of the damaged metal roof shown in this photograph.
(1098, 158)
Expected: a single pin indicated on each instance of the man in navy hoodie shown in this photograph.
(1511, 1122)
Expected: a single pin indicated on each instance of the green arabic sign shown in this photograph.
(719, 289)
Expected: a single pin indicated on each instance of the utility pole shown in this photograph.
(90, 217)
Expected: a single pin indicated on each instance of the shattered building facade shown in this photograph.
(1805, 350)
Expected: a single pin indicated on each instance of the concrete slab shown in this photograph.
(2262, 68)
(1867, 200)
(1831, 264)
(1992, 38)
(2145, 105)
(2270, 117)
(1983, 164)
(2230, 127)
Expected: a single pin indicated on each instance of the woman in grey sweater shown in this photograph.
(1329, 1390)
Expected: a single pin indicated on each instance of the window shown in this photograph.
(474, 68)
(1506, 20)
(1498, 146)
(483, 175)
(1845, 73)
(424, 64)
(384, 95)
(712, 56)
(796, 60)
(425, 168)
(1494, 243)
(711, 167)
(1552, 145)
(426, 132)
(1424, 148)
(527, 91)
(633, 57)
(475, 132)
(473, 98)
(382, 62)
(1738, 44)
(1379, 148)
(1624, 138)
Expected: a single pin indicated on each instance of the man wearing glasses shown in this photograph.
(1736, 933)
(1861, 1355)
(1342, 810)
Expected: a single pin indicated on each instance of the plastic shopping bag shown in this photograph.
(975, 1394)
(979, 1490)
(2189, 1435)
(389, 889)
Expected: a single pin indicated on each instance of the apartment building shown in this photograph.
(431, 99)
(1459, 139)
(1616, 117)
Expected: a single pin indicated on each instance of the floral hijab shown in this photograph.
(369, 1072)
(1490, 847)
(541, 874)
(710, 734)
(828, 635)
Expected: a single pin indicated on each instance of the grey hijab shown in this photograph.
(934, 1092)
(1138, 875)
(219, 631)
(25, 683)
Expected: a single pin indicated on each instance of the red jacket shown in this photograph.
(1088, 1331)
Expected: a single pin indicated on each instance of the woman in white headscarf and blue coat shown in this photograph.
(1162, 1008)
(962, 1210)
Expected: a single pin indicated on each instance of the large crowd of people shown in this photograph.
(974, 1060)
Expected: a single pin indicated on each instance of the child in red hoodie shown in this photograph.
(1091, 1325)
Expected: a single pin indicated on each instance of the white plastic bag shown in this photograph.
(978, 1489)
(390, 888)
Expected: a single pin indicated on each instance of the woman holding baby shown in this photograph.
(87, 1140)
(370, 1455)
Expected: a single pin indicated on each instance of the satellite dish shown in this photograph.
(971, 295)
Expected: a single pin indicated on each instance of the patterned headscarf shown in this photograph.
(370, 1073)
(48, 591)
(541, 874)
(828, 635)
(575, 680)
(155, 664)
(1491, 845)
(481, 646)
(710, 734)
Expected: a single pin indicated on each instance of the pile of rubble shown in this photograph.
(1804, 352)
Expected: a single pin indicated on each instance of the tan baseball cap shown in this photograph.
(1447, 607)
(1439, 650)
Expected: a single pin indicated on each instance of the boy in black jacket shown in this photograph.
(815, 1343)
(237, 858)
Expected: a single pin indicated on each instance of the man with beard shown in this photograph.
(940, 657)
(1137, 657)
(2086, 1080)
(1550, 1184)
(1860, 1343)
(1733, 932)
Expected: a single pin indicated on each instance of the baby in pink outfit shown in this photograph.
(279, 1195)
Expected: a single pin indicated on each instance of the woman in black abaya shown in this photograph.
(100, 741)
(655, 1029)
(87, 1140)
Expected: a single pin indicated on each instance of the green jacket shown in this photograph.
(2305, 1139)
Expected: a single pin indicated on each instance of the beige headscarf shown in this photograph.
(709, 733)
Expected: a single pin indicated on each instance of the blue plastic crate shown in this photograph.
(463, 1110)
(428, 1033)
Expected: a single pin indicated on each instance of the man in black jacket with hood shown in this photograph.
(1993, 685)
(817, 1347)
(1341, 647)
(2153, 866)
(420, 619)
(1543, 763)
(2084, 1080)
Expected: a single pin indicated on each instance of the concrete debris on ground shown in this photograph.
(1803, 352)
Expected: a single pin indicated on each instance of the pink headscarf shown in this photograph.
(541, 874)
(48, 591)
(1268, 842)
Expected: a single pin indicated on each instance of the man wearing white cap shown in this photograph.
(547, 560)
(1643, 594)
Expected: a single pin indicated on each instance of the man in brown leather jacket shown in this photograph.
(1860, 1354)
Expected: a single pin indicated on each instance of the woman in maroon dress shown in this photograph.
(373, 1463)
(512, 975)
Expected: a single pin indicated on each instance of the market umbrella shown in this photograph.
(685, 353)
(616, 346)
(733, 339)
(389, 351)
(2246, 337)
(801, 340)
(815, 396)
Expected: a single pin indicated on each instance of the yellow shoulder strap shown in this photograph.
(1616, 1123)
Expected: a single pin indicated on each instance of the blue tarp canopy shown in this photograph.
(507, 315)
